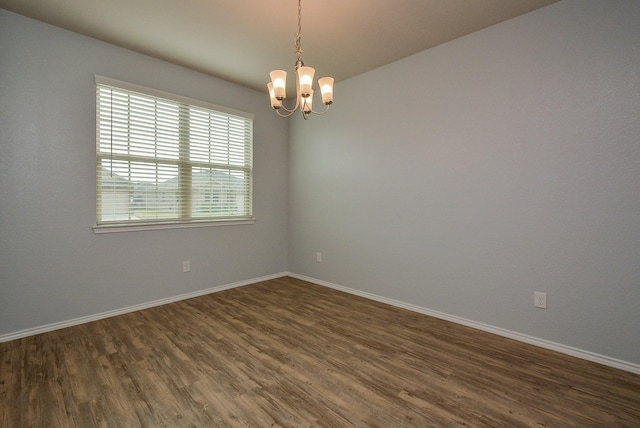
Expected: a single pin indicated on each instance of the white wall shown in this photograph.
(466, 177)
(53, 268)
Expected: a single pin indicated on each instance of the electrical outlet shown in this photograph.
(318, 257)
(186, 266)
(540, 300)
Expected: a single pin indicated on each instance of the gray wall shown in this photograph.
(468, 176)
(53, 268)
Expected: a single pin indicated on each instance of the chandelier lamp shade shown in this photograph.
(304, 84)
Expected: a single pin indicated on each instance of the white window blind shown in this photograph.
(165, 158)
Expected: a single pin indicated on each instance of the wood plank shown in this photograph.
(289, 353)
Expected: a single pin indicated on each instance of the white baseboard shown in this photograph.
(542, 343)
(575, 352)
(77, 321)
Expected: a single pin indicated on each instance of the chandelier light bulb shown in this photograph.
(275, 103)
(326, 87)
(305, 76)
(307, 103)
(279, 81)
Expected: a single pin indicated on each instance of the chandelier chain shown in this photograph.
(299, 33)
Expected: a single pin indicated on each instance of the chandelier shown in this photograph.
(304, 84)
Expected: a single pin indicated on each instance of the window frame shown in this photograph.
(170, 223)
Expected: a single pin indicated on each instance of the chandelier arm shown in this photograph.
(323, 111)
(290, 112)
(294, 108)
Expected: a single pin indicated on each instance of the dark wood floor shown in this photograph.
(288, 353)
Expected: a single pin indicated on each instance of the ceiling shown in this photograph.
(243, 40)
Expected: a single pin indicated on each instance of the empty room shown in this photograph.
(432, 219)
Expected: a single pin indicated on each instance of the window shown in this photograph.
(164, 160)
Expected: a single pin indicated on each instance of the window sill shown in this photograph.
(139, 227)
